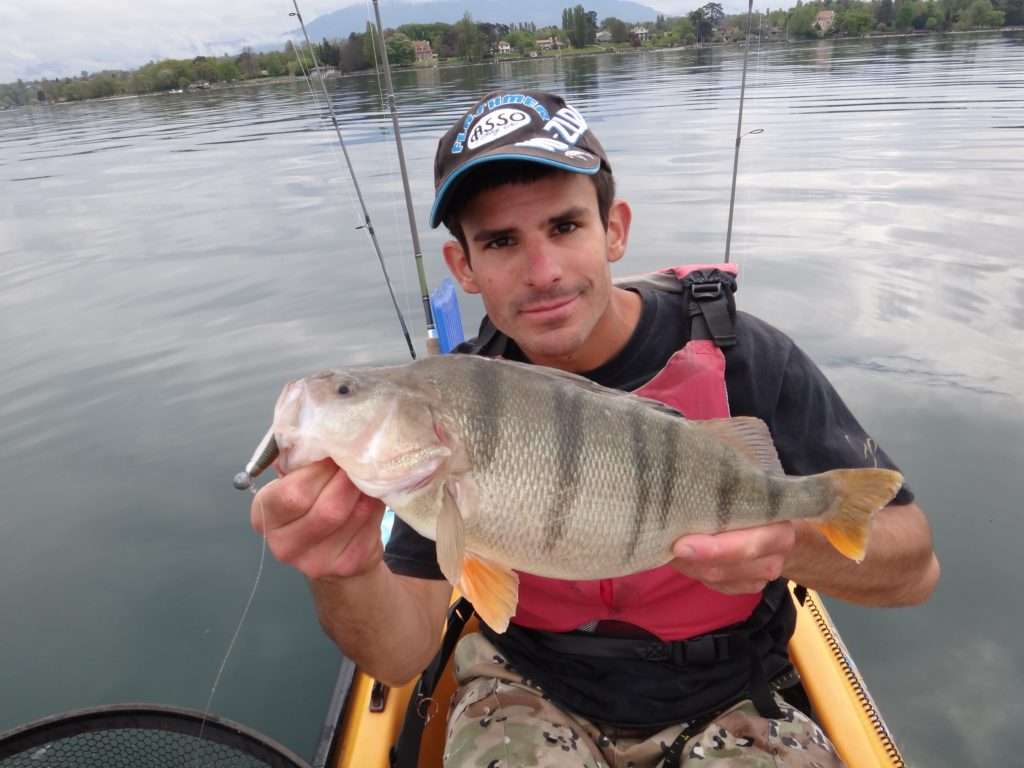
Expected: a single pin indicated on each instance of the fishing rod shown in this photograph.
(267, 449)
(433, 346)
(367, 224)
(739, 129)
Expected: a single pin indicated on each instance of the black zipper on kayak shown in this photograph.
(853, 678)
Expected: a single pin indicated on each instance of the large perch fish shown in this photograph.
(517, 467)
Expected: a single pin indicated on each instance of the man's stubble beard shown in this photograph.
(566, 342)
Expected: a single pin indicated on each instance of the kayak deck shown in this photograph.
(370, 724)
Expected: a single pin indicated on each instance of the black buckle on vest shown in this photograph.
(655, 652)
(706, 649)
(706, 291)
(711, 303)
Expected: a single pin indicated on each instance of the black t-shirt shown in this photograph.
(766, 376)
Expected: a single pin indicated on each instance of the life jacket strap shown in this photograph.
(405, 752)
(711, 305)
(704, 649)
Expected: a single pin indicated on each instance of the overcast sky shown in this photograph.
(56, 38)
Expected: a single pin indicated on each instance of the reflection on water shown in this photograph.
(166, 263)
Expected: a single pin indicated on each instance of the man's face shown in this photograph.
(538, 257)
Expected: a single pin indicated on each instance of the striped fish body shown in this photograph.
(515, 467)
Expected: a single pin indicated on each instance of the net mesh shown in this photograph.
(134, 737)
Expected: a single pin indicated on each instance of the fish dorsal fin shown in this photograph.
(591, 386)
(749, 436)
(492, 589)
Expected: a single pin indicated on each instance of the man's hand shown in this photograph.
(900, 567)
(317, 521)
(736, 562)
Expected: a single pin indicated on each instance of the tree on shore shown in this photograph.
(980, 14)
(16, 94)
(884, 15)
(474, 42)
(801, 22)
(855, 20)
(682, 29)
(401, 51)
(706, 20)
(352, 57)
(580, 26)
(618, 29)
(521, 40)
(1013, 11)
(469, 44)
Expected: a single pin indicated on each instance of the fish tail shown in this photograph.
(859, 493)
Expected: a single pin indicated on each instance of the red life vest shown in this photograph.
(661, 601)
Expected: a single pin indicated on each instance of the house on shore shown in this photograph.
(424, 54)
(824, 20)
(640, 33)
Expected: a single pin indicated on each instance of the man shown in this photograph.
(527, 192)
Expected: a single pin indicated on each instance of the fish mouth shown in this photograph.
(295, 417)
(291, 403)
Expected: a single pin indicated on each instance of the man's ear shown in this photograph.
(620, 216)
(458, 264)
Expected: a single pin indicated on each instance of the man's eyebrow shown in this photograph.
(569, 214)
(576, 212)
(486, 235)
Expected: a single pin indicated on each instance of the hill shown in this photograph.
(341, 23)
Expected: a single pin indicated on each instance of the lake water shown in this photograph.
(166, 263)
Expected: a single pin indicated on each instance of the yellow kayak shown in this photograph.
(372, 716)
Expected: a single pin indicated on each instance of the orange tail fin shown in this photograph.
(859, 494)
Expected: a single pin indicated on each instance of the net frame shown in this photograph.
(187, 722)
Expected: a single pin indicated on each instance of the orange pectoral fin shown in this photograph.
(492, 589)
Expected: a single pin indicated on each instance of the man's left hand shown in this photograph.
(736, 562)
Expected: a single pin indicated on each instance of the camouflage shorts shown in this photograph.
(498, 720)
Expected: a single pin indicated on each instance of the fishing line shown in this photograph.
(367, 224)
(353, 204)
(241, 620)
(268, 446)
(739, 129)
(305, 74)
(433, 345)
(308, 78)
(384, 132)
(376, 65)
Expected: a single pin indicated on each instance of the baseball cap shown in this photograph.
(531, 126)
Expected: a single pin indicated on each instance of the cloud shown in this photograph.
(60, 38)
(57, 38)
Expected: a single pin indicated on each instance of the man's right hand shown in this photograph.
(316, 520)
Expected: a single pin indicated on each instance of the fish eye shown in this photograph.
(344, 389)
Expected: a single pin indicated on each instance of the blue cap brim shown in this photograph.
(522, 154)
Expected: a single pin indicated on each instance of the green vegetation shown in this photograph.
(580, 26)
(471, 41)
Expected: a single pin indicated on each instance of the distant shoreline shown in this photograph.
(571, 53)
(567, 53)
